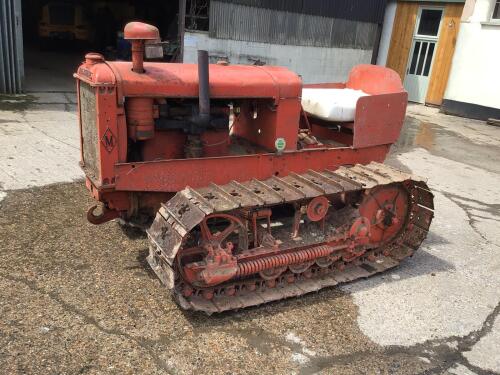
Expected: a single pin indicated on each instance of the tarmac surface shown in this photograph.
(77, 298)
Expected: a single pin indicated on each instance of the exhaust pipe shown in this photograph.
(203, 89)
(193, 147)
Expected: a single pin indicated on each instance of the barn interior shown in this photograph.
(57, 34)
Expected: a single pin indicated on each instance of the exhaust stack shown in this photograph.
(203, 88)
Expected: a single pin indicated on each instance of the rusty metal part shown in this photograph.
(317, 208)
(253, 216)
(360, 229)
(140, 121)
(220, 266)
(261, 293)
(297, 217)
(274, 93)
(325, 261)
(384, 207)
(233, 224)
(190, 206)
(203, 88)
(300, 268)
(371, 244)
(249, 173)
(138, 33)
(271, 273)
(280, 260)
(193, 148)
(103, 217)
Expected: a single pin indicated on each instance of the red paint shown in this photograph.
(268, 98)
(138, 33)
(140, 122)
(374, 80)
(175, 175)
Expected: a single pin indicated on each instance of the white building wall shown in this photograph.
(314, 64)
(475, 71)
(385, 38)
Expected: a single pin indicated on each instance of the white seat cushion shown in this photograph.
(331, 104)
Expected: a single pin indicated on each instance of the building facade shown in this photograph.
(446, 53)
(473, 88)
(320, 40)
(421, 45)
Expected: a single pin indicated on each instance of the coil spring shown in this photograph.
(280, 260)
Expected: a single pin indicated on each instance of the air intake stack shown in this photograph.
(138, 33)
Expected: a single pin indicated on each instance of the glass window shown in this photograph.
(496, 11)
(416, 52)
(429, 22)
(422, 58)
(428, 60)
(423, 53)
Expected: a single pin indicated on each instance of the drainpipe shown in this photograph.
(376, 45)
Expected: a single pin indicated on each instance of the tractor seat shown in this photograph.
(331, 104)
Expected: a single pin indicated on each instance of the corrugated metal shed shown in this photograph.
(354, 10)
(233, 20)
(11, 47)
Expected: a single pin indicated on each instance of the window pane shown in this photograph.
(496, 11)
(429, 22)
(421, 58)
(429, 59)
(414, 58)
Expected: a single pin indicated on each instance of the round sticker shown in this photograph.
(280, 144)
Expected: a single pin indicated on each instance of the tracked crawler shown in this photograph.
(243, 244)
(252, 186)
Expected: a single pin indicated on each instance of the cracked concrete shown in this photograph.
(76, 298)
(453, 294)
(480, 354)
(38, 146)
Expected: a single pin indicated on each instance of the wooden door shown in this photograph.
(444, 53)
(402, 43)
(402, 35)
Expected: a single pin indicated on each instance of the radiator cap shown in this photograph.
(93, 58)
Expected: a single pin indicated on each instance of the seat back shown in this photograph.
(374, 79)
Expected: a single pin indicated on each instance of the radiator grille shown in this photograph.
(89, 130)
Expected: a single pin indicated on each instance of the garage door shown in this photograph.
(11, 47)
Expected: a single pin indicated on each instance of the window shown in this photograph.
(422, 58)
(496, 11)
(430, 20)
(197, 15)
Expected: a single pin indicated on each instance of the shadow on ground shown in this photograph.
(77, 298)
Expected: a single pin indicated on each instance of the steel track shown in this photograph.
(189, 207)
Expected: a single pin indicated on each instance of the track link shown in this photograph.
(177, 217)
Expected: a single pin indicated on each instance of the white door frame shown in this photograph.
(419, 15)
(424, 38)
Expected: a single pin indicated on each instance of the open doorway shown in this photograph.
(57, 34)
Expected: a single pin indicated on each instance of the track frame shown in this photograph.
(278, 271)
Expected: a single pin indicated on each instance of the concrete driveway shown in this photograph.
(75, 298)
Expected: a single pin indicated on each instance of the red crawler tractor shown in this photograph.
(247, 197)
